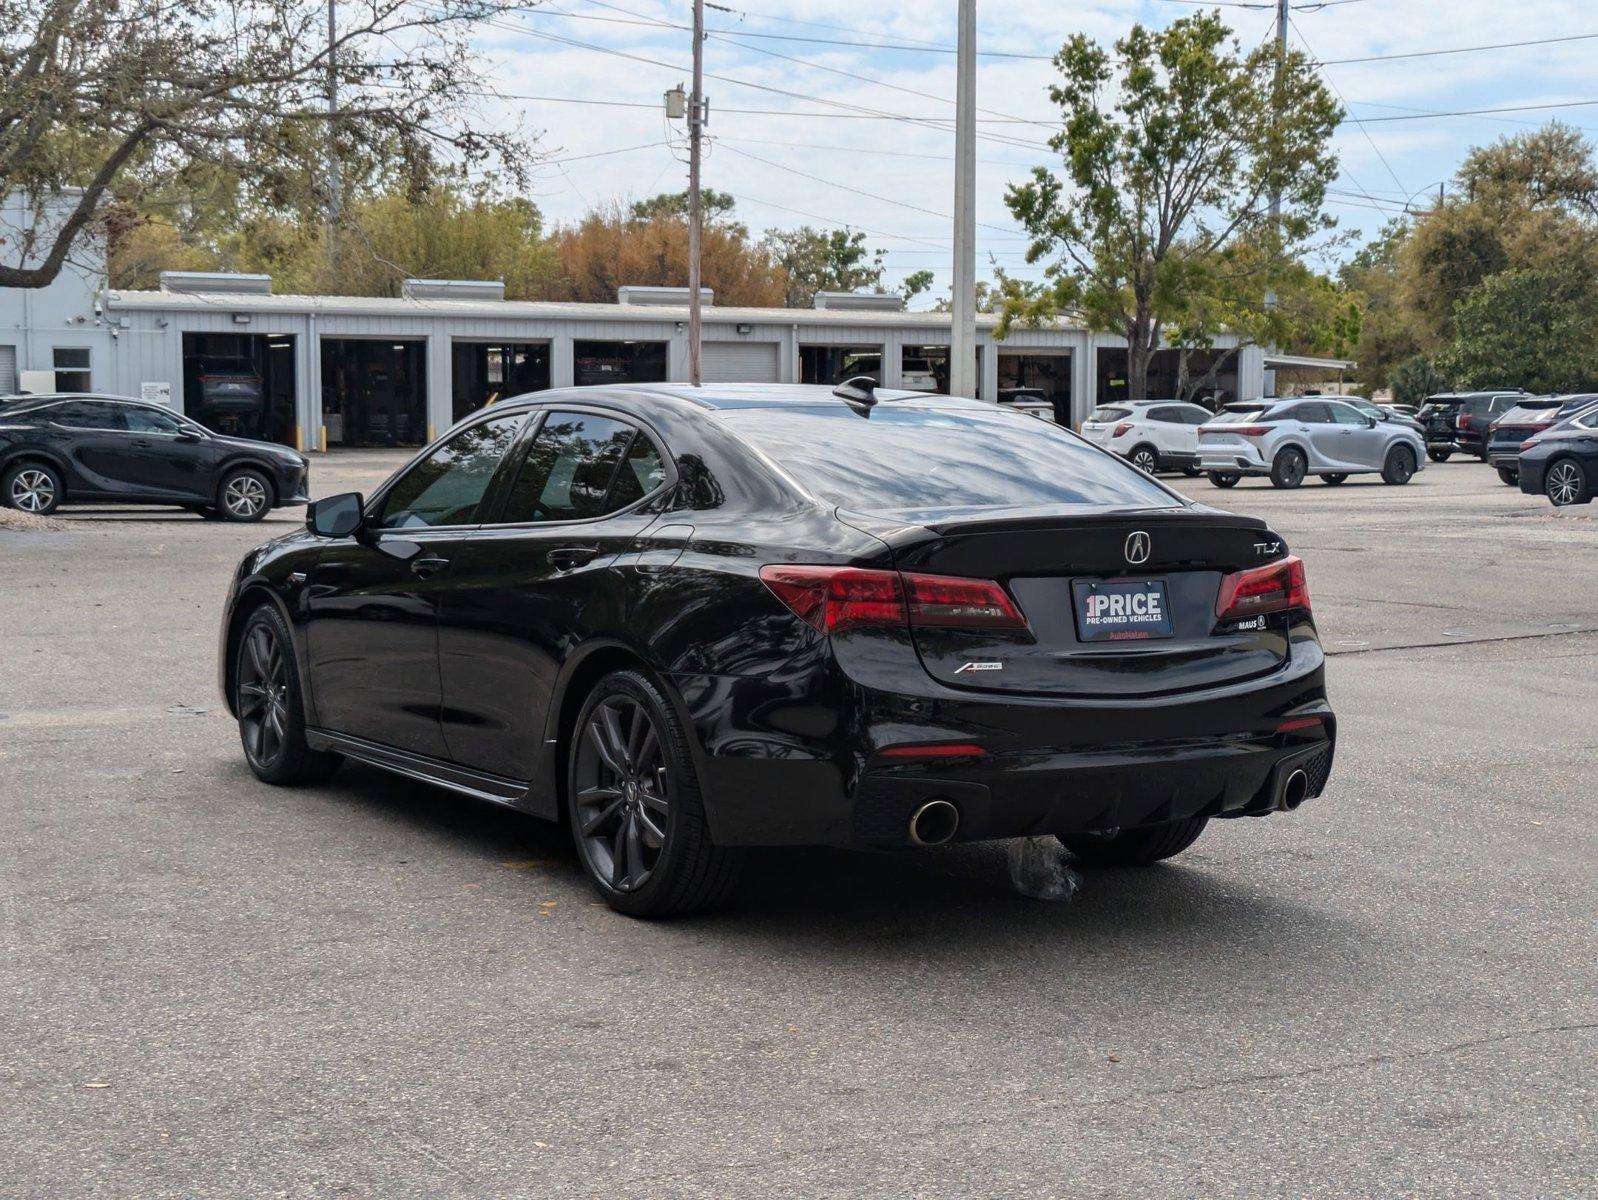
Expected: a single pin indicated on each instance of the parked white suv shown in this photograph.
(1153, 435)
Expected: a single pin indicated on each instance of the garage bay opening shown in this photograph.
(374, 392)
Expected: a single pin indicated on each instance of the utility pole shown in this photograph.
(335, 183)
(963, 333)
(696, 123)
(1281, 63)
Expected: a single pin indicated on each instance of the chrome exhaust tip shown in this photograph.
(934, 823)
(1295, 790)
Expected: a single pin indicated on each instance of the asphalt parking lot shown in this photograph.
(212, 987)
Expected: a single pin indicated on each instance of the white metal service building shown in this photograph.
(320, 372)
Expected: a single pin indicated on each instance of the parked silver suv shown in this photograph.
(1294, 438)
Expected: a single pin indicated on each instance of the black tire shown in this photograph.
(270, 706)
(1134, 847)
(1399, 466)
(1145, 459)
(1192, 472)
(1439, 455)
(1566, 483)
(1335, 478)
(1509, 476)
(243, 495)
(628, 785)
(1289, 469)
(1225, 479)
(32, 487)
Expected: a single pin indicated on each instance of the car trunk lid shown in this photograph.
(1098, 622)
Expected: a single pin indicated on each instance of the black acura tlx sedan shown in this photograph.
(694, 620)
(109, 450)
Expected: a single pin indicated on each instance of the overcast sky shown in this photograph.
(791, 143)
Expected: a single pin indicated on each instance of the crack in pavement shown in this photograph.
(833, 1146)
(1332, 651)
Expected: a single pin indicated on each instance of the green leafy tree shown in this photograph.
(824, 260)
(1386, 334)
(1172, 146)
(714, 205)
(1414, 379)
(103, 101)
(1535, 327)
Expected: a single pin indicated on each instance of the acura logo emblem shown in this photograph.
(1137, 547)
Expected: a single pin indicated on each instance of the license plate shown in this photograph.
(1120, 611)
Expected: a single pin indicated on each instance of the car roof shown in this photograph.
(723, 396)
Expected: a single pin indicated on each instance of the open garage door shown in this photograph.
(740, 362)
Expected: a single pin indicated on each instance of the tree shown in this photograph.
(1533, 327)
(1386, 335)
(714, 206)
(1414, 379)
(1171, 147)
(102, 100)
(824, 260)
(610, 247)
(1551, 167)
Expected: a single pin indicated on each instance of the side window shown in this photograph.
(446, 486)
(86, 414)
(1194, 415)
(1345, 414)
(1166, 414)
(1313, 414)
(1590, 421)
(147, 420)
(582, 466)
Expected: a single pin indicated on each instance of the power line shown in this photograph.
(1574, 37)
(1476, 112)
(931, 212)
(1356, 120)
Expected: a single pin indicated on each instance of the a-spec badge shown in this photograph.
(979, 666)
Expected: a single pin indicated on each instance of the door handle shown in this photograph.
(144, 442)
(569, 558)
(427, 567)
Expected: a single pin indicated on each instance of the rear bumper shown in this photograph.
(1498, 456)
(780, 770)
(1237, 462)
(1178, 460)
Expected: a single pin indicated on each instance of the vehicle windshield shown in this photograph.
(897, 457)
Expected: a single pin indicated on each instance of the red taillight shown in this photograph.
(1267, 589)
(834, 599)
(1121, 430)
(1528, 443)
(934, 750)
(1247, 430)
(1295, 724)
(947, 601)
(1462, 421)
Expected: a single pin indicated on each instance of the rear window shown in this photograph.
(898, 457)
(1109, 414)
(1241, 416)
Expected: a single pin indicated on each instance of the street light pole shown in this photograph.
(963, 334)
(696, 121)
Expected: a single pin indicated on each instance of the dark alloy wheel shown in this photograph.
(1439, 455)
(1400, 466)
(1145, 459)
(270, 710)
(245, 495)
(1134, 847)
(1509, 476)
(33, 488)
(1225, 479)
(1335, 478)
(1566, 484)
(1289, 469)
(635, 808)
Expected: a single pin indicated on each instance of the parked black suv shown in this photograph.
(1528, 418)
(104, 449)
(1459, 421)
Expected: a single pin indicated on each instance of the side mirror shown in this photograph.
(336, 516)
(188, 435)
(1370, 422)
